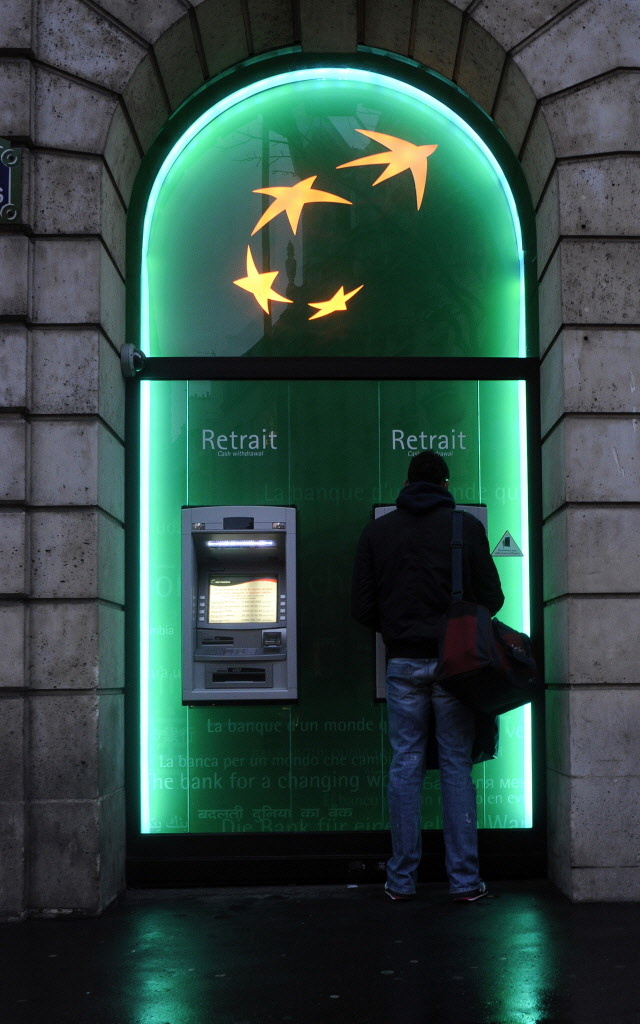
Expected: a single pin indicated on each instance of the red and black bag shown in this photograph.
(482, 661)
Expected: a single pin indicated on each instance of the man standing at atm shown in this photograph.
(402, 588)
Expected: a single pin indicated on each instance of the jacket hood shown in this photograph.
(421, 497)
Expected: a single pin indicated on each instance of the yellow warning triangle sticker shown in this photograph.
(507, 546)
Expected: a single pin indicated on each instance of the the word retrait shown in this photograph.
(239, 442)
(427, 442)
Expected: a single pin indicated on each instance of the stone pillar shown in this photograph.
(14, 587)
(16, 84)
(61, 481)
(584, 176)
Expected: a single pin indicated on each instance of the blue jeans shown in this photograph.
(412, 695)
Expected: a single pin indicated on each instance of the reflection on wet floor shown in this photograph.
(312, 955)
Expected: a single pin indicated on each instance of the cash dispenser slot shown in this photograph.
(233, 676)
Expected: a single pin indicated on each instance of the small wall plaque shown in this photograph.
(10, 182)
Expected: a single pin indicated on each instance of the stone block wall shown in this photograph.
(86, 85)
(62, 468)
(588, 225)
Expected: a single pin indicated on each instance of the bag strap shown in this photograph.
(456, 555)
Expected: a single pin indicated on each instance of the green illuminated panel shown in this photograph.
(403, 267)
(334, 450)
(442, 279)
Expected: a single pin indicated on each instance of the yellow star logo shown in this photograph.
(290, 199)
(336, 303)
(260, 284)
(402, 156)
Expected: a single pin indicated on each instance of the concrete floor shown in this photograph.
(317, 955)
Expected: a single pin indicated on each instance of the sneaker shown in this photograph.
(398, 895)
(472, 896)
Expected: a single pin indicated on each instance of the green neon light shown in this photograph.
(345, 76)
(145, 577)
(524, 505)
(526, 600)
(527, 768)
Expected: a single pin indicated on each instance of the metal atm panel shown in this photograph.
(480, 512)
(238, 604)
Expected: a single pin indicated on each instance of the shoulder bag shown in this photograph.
(483, 662)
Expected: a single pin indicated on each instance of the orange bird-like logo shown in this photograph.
(291, 199)
(260, 284)
(336, 303)
(402, 156)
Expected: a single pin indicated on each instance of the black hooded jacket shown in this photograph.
(402, 572)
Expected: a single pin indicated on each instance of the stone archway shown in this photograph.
(103, 80)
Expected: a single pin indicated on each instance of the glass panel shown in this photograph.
(334, 450)
(331, 212)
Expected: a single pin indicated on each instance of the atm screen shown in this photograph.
(242, 599)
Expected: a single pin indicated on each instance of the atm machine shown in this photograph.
(480, 512)
(238, 604)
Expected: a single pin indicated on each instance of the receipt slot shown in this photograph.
(238, 604)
